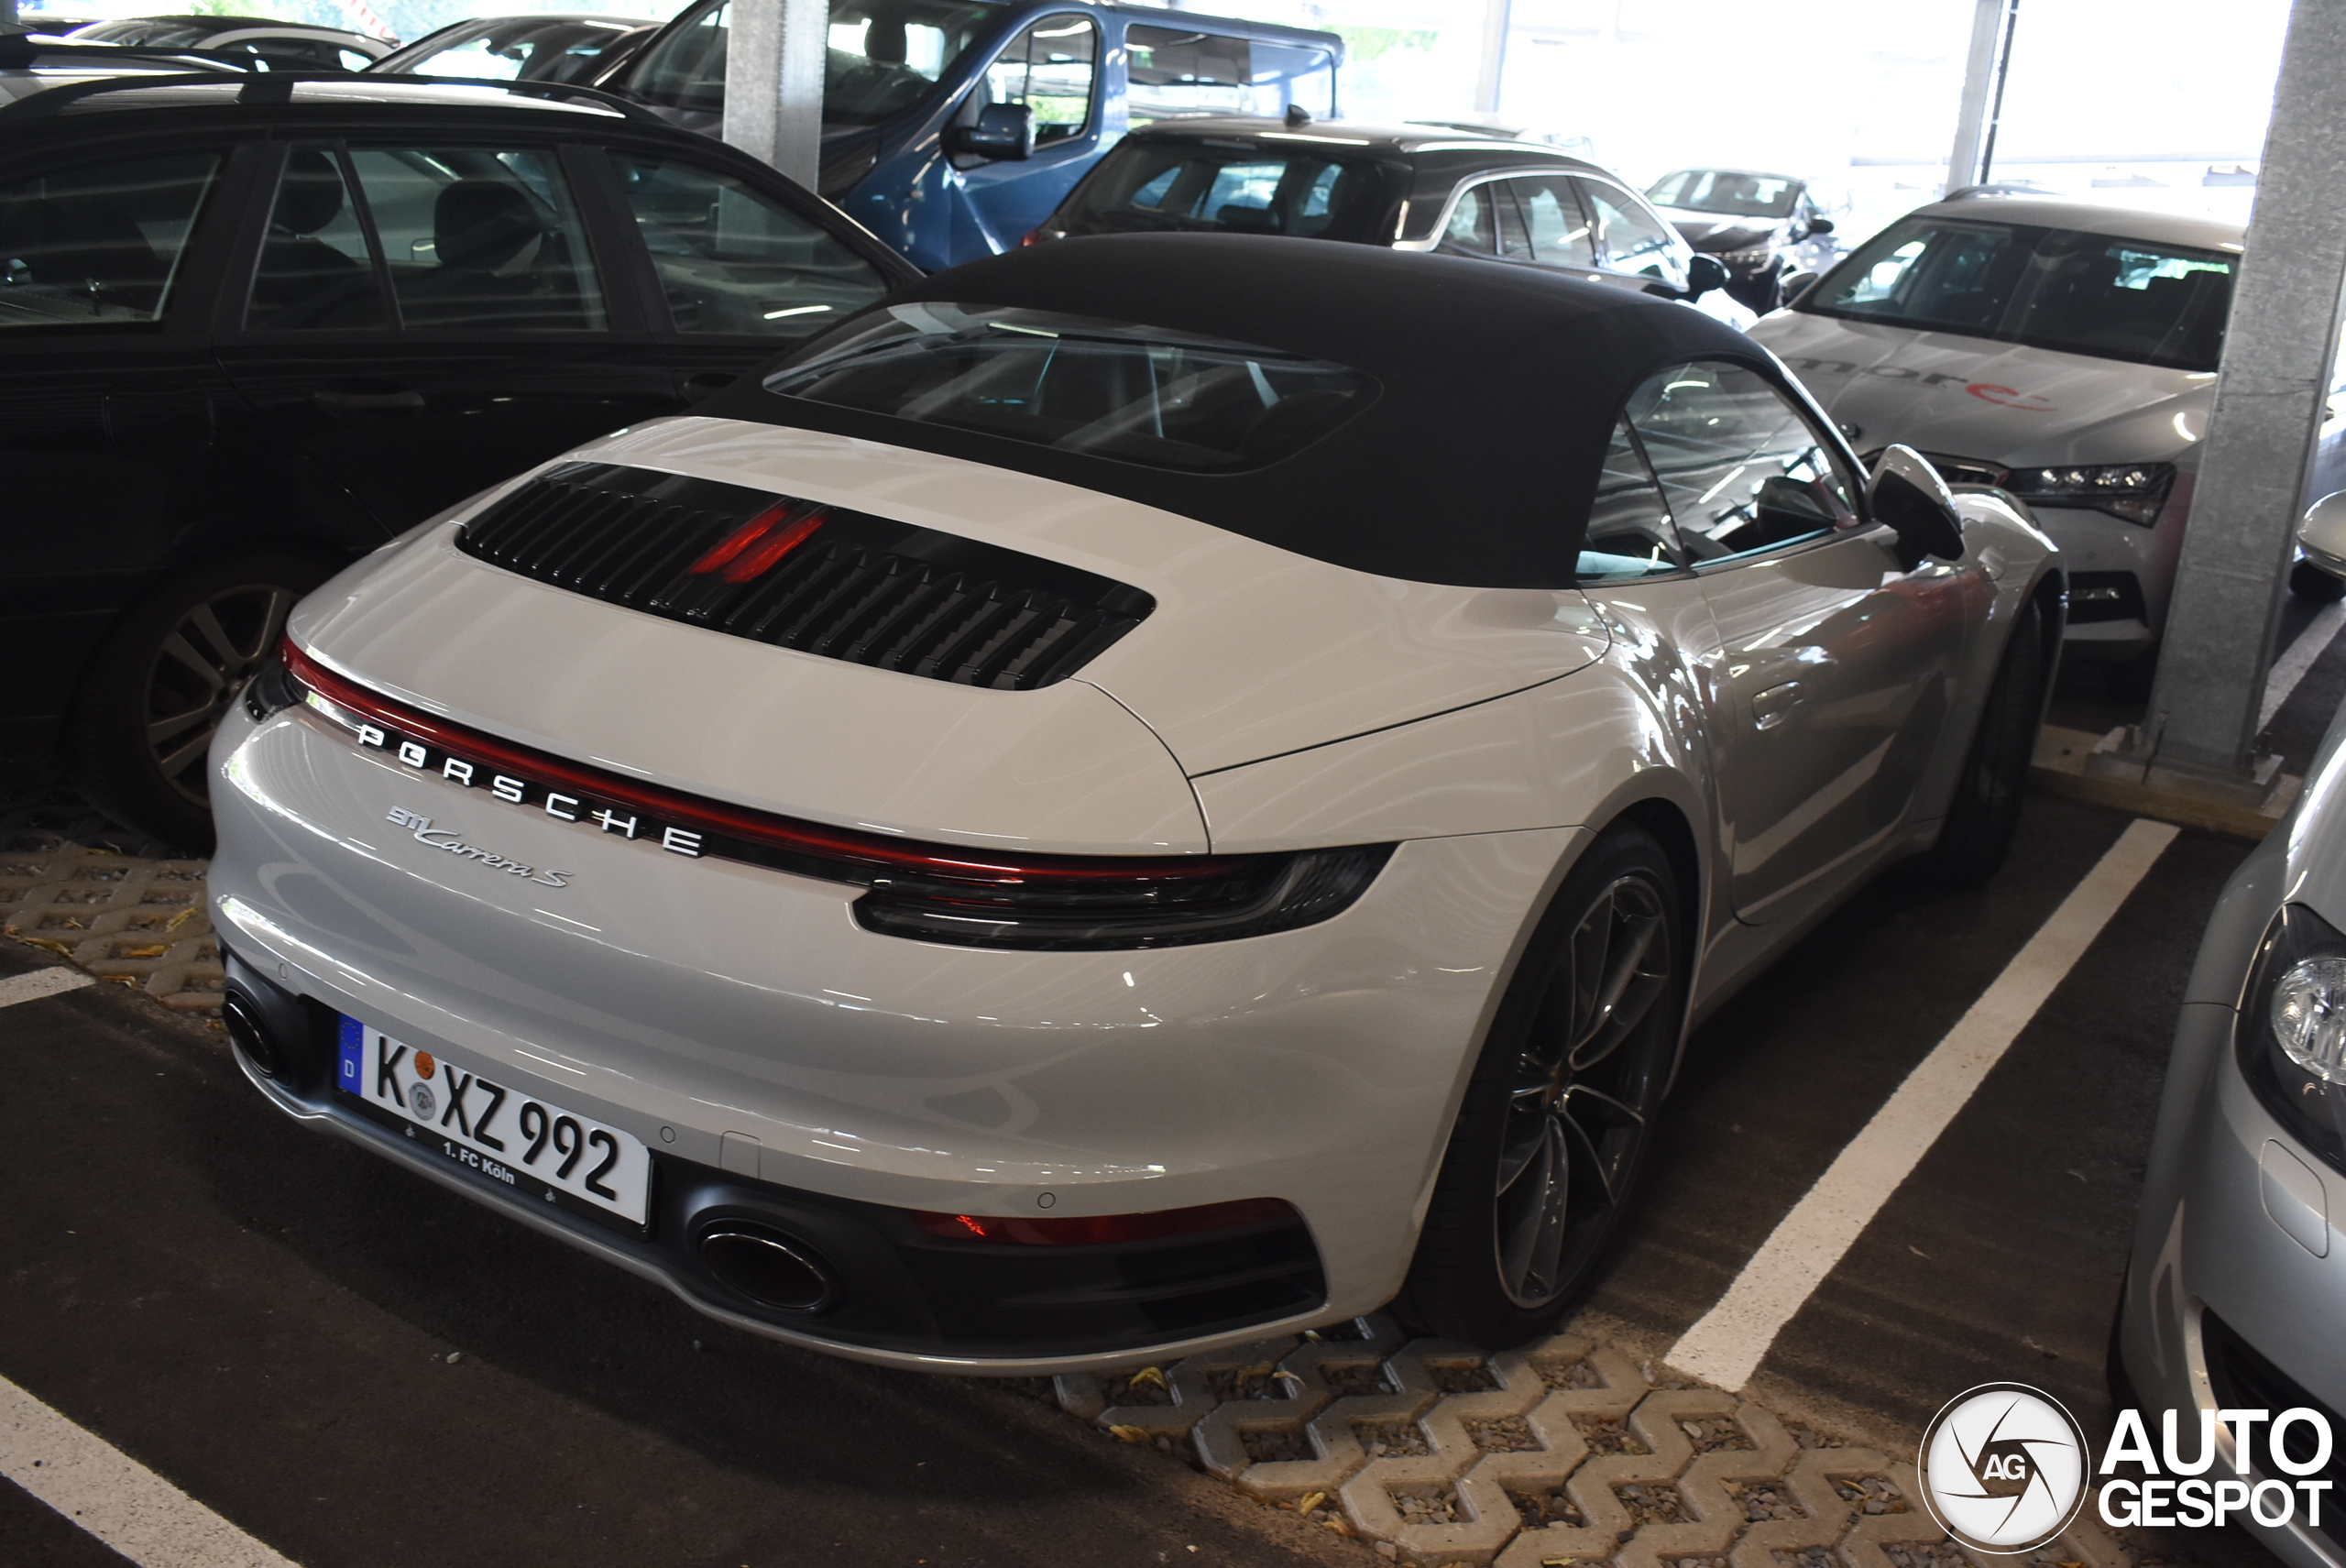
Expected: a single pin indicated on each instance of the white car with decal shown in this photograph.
(2064, 351)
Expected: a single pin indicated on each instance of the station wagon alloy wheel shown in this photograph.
(203, 662)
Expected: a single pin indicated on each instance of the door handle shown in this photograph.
(1775, 704)
(350, 399)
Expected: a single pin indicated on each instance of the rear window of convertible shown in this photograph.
(1145, 395)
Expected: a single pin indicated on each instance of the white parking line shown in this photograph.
(1725, 1346)
(2297, 658)
(34, 984)
(115, 1498)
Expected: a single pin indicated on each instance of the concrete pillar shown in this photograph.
(1984, 71)
(1497, 16)
(773, 82)
(2268, 410)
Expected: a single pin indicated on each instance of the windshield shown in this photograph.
(2081, 293)
(1165, 400)
(528, 49)
(885, 56)
(1148, 186)
(1724, 191)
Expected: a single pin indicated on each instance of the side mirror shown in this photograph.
(1004, 131)
(2322, 535)
(1793, 286)
(1820, 225)
(1704, 273)
(1908, 495)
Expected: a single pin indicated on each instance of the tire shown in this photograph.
(1558, 1117)
(2313, 584)
(1985, 812)
(144, 716)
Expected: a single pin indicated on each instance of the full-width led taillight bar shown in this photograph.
(939, 892)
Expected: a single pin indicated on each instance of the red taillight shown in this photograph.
(1032, 237)
(1101, 1230)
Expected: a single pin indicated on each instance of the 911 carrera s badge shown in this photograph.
(421, 829)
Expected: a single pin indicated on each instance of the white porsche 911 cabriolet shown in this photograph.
(1154, 790)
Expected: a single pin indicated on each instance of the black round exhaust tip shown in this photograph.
(769, 1265)
(244, 1029)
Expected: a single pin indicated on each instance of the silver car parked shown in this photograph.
(2232, 1295)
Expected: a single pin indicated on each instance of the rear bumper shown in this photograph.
(904, 1295)
(707, 1007)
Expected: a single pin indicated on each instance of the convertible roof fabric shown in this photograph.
(1477, 462)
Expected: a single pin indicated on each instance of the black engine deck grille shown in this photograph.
(820, 579)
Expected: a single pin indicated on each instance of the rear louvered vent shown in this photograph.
(820, 579)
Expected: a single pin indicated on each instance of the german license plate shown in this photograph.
(532, 1145)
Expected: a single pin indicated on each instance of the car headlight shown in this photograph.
(2291, 1036)
(2134, 492)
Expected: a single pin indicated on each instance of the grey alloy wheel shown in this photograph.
(1581, 1093)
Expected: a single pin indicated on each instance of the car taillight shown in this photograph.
(1101, 1230)
(934, 893)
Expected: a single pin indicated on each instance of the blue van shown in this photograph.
(951, 128)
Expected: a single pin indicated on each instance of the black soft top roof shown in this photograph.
(1475, 464)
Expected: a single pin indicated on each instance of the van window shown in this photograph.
(885, 56)
(1181, 72)
(1048, 68)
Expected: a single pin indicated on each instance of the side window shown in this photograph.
(481, 239)
(1048, 67)
(732, 259)
(1741, 467)
(1629, 532)
(1182, 70)
(99, 244)
(1628, 239)
(1556, 231)
(315, 270)
(1470, 226)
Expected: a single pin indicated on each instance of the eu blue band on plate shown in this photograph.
(352, 1037)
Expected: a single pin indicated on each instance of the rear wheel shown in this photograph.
(1558, 1117)
(147, 710)
(2309, 582)
(1985, 812)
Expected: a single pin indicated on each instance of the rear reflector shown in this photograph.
(1101, 1230)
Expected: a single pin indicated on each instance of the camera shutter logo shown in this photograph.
(2004, 1467)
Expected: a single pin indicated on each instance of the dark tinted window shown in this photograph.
(732, 260)
(1147, 185)
(481, 239)
(99, 244)
(2084, 293)
(884, 56)
(1742, 469)
(315, 271)
(1181, 71)
(1104, 389)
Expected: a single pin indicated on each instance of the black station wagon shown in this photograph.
(252, 328)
